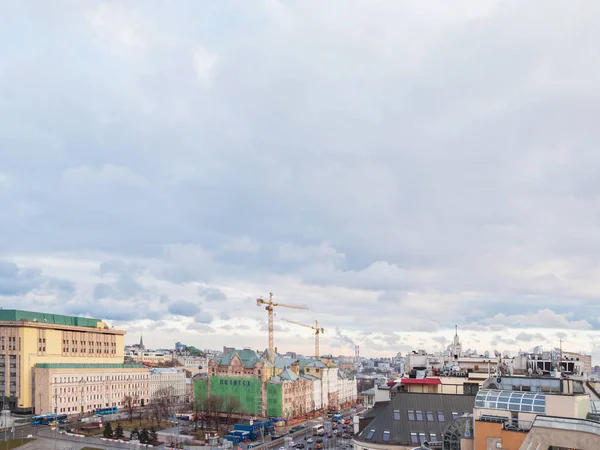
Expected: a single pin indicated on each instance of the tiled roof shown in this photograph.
(317, 364)
(284, 363)
(430, 414)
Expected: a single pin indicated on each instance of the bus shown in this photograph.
(47, 419)
(318, 430)
(107, 410)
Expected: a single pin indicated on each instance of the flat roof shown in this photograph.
(17, 315)
(88, 366)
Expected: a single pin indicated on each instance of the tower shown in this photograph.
(142, 343)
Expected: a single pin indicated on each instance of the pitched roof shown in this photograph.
(284, 363)
(288, 374)
(249, 358)
(317, 364)
(395, 424)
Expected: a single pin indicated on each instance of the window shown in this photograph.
(430, 416)
(420, 415)
(411, 415)
(386, 436)
(396, 414)
(413, 438)
(441, 416)
(432, 437)
(422, 437)
(370, 434)
(454, 415)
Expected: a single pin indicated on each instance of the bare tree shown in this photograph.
(198, 409)
(129, 403)
(231, 406)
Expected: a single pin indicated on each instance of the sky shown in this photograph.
(396, 167)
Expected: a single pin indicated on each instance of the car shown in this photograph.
(282, 448)
(335, 431)
(309, 440)
(300, 445)
(346, 436)
(292, 444)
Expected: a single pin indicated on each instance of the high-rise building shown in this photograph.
(28, 338)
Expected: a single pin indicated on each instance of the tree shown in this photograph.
(231, 406)
(119, 432)
(129, 404)
(108, 431)
(135, 434)
(198, 409)
(152, 435)
(144, 436)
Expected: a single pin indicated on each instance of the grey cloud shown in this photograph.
(15, 281)
(183, 308)
(224, 315)
(203, 317)
(123, 288)
(200, 327)
(529, 337)
(211, 294)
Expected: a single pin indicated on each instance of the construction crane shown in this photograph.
(318, 330)
(269, 305)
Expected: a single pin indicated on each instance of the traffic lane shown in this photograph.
(48, 433)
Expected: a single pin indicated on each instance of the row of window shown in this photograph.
(12, 343)
(415, 438)
(430, 415)
(421, 438)
(137, 376)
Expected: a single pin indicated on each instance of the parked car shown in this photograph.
(292, 444)
(309, 440)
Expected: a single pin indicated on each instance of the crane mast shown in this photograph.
(269, 306)
(318, 330)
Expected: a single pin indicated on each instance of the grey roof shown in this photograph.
(368, 392)
(375, 409)
(284, 363)
(317, 364)
(394, 418)
(288, 374)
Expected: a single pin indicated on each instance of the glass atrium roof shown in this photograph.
(511, 400)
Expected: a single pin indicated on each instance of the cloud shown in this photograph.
(450, 181)
(529, 337)
(211, 294)
(17, 281)
(183, 308)
(203, 317)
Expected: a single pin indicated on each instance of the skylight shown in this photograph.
(386, 436)
(371, 433)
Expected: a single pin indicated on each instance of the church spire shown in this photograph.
(141, 341)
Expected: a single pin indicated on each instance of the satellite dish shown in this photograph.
(487, 354)
(537, 350)
(506, 354)
(496, 353)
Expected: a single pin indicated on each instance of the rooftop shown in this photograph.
(87, 366)
(17, 315)
(249, 358)
(411, 418)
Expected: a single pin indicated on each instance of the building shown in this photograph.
(169, 382)
(507, 409)
(79, 388)
(290, 388)
(30, 338)
(409, 420)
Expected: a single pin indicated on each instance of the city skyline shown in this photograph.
(398, 168)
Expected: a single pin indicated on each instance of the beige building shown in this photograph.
(82, 388)
(169, 381)
(30, 338)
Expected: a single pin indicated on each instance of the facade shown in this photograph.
(83, 388)
(30, 338)
(169, 382)
(290, 388)
(506, 409)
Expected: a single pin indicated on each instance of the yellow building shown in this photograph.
(30, 338)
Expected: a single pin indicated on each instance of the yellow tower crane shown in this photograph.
(269, 305)
(318, 330)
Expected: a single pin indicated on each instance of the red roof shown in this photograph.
(421, 381)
